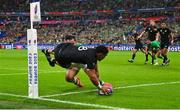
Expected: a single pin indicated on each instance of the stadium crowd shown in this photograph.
(77, 5)
(116, 30)
(92, 33)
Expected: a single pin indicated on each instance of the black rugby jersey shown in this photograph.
(152, 31)
(68, 53)
(164, 34)
(137, 41)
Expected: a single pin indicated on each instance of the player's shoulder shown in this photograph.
(159, 29)
(64, 44)
(168, 29)
(91, 52)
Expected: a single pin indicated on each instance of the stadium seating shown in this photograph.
(93, 28)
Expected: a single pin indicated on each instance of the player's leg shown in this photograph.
(165, 60)
(144, 51)
(72, 72)
(146, 54)
(51, 51)
(51, 60)
(153, 57)
(164, 51)
(159, 55)
(71, 76)
(147, 47)
(133, 55)
(154, 52)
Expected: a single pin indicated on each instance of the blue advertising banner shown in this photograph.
(119, 47)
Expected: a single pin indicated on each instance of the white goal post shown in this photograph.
(35, 15)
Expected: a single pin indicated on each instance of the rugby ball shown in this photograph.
(110, 89)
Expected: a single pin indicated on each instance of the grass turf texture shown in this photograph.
(115, 69)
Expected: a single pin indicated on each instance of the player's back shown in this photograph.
(70, 53)
(79, 54)
(164, 33)
(152, 31)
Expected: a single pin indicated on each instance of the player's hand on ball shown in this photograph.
(105, 90)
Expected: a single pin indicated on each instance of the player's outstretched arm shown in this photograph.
(171, 38)
(92, 76)
(95, 80)
(141, 34)
(97, 74)
(97, 71)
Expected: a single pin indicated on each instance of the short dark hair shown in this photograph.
(69, 37)
(102, 49)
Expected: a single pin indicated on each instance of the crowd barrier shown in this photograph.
(115, 47)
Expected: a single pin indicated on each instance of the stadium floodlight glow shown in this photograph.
(35, 15)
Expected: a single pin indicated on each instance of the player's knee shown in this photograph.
(69, 78)
(158, 55)
(70, 74)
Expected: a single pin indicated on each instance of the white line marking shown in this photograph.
(12, 69)
(9, 74)
(145, 85)
(65, 102)
(87, 104)
(82, 104)
(70, 93)
(131, 86)
(14, 95)
(12, 74)
(42, 71)
(18, 74)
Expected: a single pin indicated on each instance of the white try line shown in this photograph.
(41, 71)
(22, 69)
(65, 102)
(13, 74)
(14, 95)
(82, 104)
(13, 69)
(124, 87)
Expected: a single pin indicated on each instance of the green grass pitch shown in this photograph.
(136, 86)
